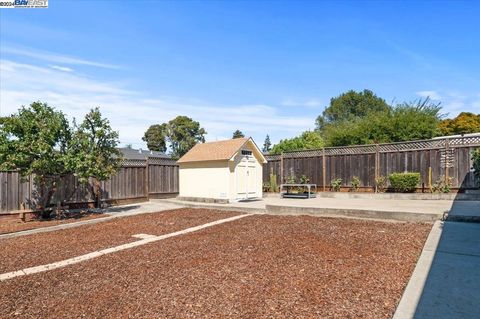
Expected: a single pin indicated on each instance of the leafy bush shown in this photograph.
(476, 165)
(266, 187)
(308, 140)
(355, 183)
(336, 184)
(304, 179)
(442, 186)
(273, 182)
(291, 179)
(381, 184)
(404, 182)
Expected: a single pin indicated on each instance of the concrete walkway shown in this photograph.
(112, 212)
(446, 281)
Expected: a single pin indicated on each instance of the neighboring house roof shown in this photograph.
(217, 151)
(130, 153)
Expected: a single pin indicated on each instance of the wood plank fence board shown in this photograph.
(128, 183)
(347, 162)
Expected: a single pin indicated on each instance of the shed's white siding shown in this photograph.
(227, 179)
(204, 179)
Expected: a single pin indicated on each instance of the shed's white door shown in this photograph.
(246, 178)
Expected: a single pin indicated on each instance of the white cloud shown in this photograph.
(61, 68)
(132, 112)
(311, 103)
(55, 58)
(434, 95)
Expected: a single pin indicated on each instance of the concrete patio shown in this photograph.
(390, 209)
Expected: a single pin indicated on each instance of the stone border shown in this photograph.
(354, 213)
(203, 200)
(400, 196)
(225, 207)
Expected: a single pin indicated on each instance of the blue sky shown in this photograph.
(262, 67)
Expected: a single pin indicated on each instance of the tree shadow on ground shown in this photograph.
(121, 209)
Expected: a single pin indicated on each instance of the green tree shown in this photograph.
(351, 105)
(464, 123)
(238, 134)
(155, 137)
(34, 141)
(183, 134)
(415, 120)
(93, 151)
(267, 145)
(404, 122)
(308, 140)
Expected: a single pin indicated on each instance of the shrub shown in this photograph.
(381, 184)
(442, 186)
(304, 179)
(355, 183)
(291, 180)
(273, 182)
(404, 182)
(336, 184)
(476, 165)
(266, 187)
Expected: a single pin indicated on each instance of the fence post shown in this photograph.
(447, 146)
(146, 179)
(377, 164)
(281, 168)
(324, 170)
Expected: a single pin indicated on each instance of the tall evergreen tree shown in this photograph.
(267, 145)
(238, 134)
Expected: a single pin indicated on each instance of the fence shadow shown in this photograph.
(452, 287)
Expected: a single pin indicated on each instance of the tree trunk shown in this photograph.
(47, 190)
(97, 194)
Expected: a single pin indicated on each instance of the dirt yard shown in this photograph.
(257, 267)
(11, 225)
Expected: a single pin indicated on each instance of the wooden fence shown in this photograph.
(448, 158)
(434, 159)
(136, 180)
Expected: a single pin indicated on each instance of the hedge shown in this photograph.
(404, 182)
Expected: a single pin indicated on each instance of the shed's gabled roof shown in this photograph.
(214, 151)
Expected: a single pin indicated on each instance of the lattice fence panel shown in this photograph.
(134, 163)
(384, 148)
(161, 161)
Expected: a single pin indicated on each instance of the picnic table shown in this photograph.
(285, 190)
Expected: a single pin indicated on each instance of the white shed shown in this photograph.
(222, 171)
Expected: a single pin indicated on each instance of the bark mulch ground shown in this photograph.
(38, 249)
(256, 267)
(12, 225)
